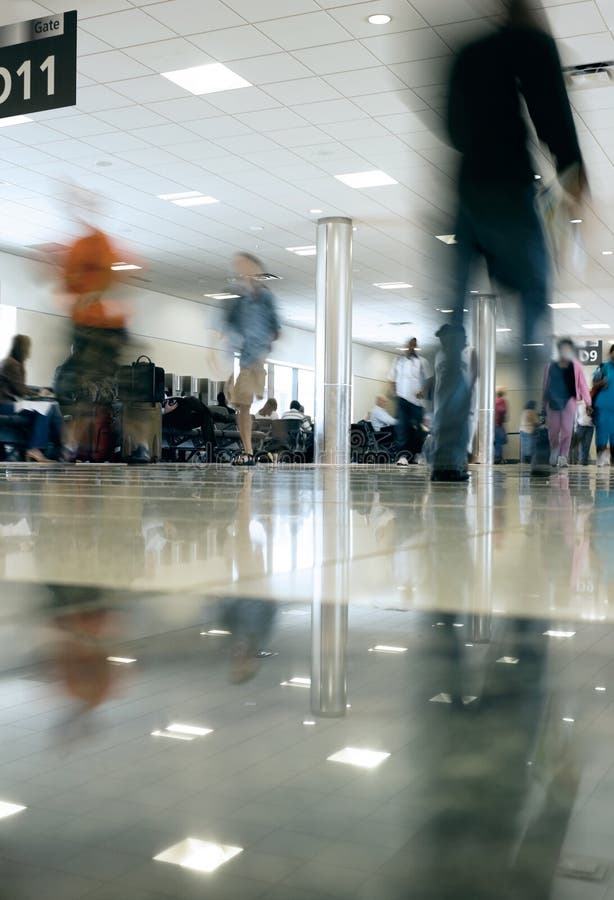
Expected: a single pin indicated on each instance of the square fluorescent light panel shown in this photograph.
(201, 856)
(297, 682)
(387, 648)
(446, 238)
(9, 809)
(373, 178)
(14, 120)
(207, 79)
(364, 759)
(393, 285)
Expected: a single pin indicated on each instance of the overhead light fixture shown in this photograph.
(576, 221)
(309, 722)
(373, 178)
(256, 227)
(315, 212)
(607, 252)
(568, 719)
(310, 250)
(195, 201)
(124, 267)
(596, 326)
(380, 19)
(202, 856)
(564, 306)
(179, 196)
(192, 730)
(14, 120)
(600, 688)
(503, 330)
(446, 238)
(509, 660)
(208, 79)
(392, 285)
(121, 660)
(559, 634)
(217, 631)
(297, 682)
(387, 648)
(537, 177)
(9, 809)
(364, 759)
(221, 297)
(174, 737)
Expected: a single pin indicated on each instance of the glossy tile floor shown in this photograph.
(461, 635)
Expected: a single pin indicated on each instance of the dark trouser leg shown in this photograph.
(452, 410)
(584, 434)
(403, 423)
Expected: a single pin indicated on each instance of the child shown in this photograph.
(584, 432)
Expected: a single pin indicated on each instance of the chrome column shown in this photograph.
(333, 373)
(485, 343)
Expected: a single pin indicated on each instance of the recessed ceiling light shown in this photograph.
(537, 177)
(219, 631)
(203, 856)
(14, 120)
(600, 688)
(596, 326)
(9, 809)
(168, 734)
(387, 648)
(308, 722)
(256, 227)
(180, 196)
(607, 252)
(508, 660)
(315, 212)
(364, 759)
(193, 730)
(575, 221)
(297, 682)
(220, 297)
(195, 201)
(380, 19)
(373, 178)
(564, 305)
(208, 79)
(310, 250)
(446, 238)
(568, 719)
(124, 267)
(503, 330)
(445, 311)
(559, 634)
(121, 660)
(392, 285)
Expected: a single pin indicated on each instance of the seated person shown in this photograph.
(187, 414)
(223, 404)
(380, 417)
(269, 410)
(297, 413)
(46, 429)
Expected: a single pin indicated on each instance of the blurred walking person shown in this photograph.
(500, 420)
(409, 378)
(529, 421)
(497, 216)
(564, 385)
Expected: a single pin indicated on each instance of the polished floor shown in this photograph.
(305, 683)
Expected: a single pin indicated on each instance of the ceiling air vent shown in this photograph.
(589, 76)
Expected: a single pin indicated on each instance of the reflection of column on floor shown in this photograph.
(485, 343)
(481, 623)
(329, 616)
(333, 373)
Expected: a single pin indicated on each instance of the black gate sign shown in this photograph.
(38, 64)
(590, 353)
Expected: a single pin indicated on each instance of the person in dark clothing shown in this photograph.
(497, 216)
(187, 414)
(222, 402)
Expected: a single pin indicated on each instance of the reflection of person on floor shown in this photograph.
(46, 429)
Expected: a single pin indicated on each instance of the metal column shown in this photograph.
(329, 610)
(333, 373)
(485, 343)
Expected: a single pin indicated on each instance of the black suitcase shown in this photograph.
(541, 454)
(141, 382)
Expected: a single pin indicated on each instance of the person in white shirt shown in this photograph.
(409, 377)
(297, 413)
(379, 415)
(585, 430)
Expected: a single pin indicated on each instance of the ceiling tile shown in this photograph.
(298, 137)
(87, 8)
(169, 55)
(220, 127)
(33, 133)
(126, 29)
(406, 46)
(164, 135)
(68, 149)
(113, 65)
(270, 69)
(575, 19)
(424, 71)
(115, 142)
(245, 100)
(359, 128)
(410, 122)
(342, 57)
(132, 117)
(234, 43)
(330, 111)
(366, 81)
(304, 31)
(577, 51)
(99, 97)
(81, 125)
(187, 17)
(149, 157)
(272, 120)
(193, 151)
(270, 9)
(148, 89)
(184, 109)
(355, 17)
(458, 34)
(302, 90)
(442, 12)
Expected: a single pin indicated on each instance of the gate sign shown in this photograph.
(38, 64)
(590, 353)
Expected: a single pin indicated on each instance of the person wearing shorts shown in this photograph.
(254, 324)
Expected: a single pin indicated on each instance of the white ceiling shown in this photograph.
(332, 94)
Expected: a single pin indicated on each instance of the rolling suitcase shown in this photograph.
(141, 431)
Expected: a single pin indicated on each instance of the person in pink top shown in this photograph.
(564, 385)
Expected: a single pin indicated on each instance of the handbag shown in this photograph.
(141, 382)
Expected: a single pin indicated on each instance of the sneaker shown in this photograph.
(554, 458)
(402, 461)
(562, 462)
(602, 458)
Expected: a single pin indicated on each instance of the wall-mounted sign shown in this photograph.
(590, 353)
(38, 65)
